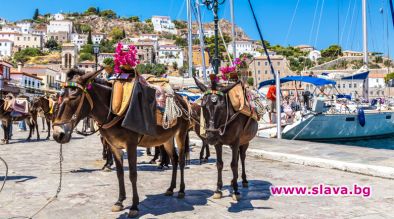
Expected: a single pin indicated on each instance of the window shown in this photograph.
(339, 86)
(355, 85)
(343, 86)
(278, 63)
(258, 72)
(258, 63)
(266, 63)
(266, 72)
(350, 85)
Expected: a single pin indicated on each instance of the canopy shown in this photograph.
(190, 96)
(306, 79)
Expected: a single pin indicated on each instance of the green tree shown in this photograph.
(332, 51)
(181, 42)
(91, 11)
(108, 14)
(107, 46)
(25, 54)
(52, 45)
(210, 45)
(86, 56)
(134, 19)
(387, 63)
(90, 41)
(36, 14)
(250, 81)
(84, 28)
(116, 34)
(148, 21)
(180, 24)
(389, 77)
(98, 10)
(88, 48)
(123, 34)
(109, 62)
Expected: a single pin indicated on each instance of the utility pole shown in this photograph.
(190, 43)
(214, 6)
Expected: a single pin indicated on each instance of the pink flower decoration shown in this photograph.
(125, 57)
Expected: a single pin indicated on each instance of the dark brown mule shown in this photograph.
(42, 103)
(78, 103)
(224, 126)
(195, 115)
(7, 119)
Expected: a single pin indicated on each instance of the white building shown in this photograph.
(305, 48)
(243, 47)
(58, 17)
(6, 48)
(11, 28)
(314, 55)
(60, 26)
(30, 83)
(97, 38)
(207, 32)
(9, 35)
(163, 24)
(29, 41)
(26, 27)
(153, 37)
(103, 56)
(168, 54)
(79, 39)
(3, 21)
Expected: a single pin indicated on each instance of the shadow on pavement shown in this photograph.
(18, 179)
(257, 190)
(160, 204)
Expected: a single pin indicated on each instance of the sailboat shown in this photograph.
(326, 123)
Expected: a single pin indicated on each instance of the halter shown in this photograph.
(75, 117)
(228, 120)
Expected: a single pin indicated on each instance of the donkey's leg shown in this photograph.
(181, 143)
(156, 156)
(31, 129)
(49, 128)
(202, 153)
(165, 159)
(234, 168)
(118, 154)
(219, 164)
(169, 147)
(242, 154)
(35, 122)
(132, 158)
(208, 154)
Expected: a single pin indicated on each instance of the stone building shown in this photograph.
(69, 56)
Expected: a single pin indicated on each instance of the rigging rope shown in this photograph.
(262, 40)
(351, 24)
(291, 22)
(313, 22)
(392, 10)
(344, 25)
(318, 26)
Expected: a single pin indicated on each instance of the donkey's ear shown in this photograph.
(200, 85)
(90, 76)
(228, 88)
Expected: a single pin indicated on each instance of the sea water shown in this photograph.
(377, 143)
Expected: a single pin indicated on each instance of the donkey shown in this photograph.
(42, 103)
(7, 119)
(225, 126)
(79, 102)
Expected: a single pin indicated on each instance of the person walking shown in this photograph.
(22, 126)
(271, 96)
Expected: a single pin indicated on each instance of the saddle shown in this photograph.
(18, 106)
(239, 98)
(121, 96)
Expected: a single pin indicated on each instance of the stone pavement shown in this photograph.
(89, 192)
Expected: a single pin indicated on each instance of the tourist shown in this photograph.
(271, 96)
(22, 126)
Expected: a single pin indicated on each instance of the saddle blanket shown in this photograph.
(121, 96)
(21, 106)
(243, 101)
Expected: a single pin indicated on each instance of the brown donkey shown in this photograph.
(7, 119)
(78, 103)
(225, 126)
(42, 103)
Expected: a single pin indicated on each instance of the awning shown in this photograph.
(358, 76)
(306, 79)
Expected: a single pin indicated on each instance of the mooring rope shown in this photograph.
(6, 173)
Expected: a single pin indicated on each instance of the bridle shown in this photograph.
(76, 116)
(222, 128)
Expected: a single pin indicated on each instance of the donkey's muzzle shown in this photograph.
(61, 134)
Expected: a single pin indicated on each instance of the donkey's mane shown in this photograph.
(74, 72)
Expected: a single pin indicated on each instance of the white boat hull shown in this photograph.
(341, 126)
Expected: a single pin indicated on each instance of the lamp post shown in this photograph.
(214, 6)
(96, 51)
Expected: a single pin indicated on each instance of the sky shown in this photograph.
(319, 23)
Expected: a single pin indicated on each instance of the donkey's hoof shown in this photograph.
(117, 207)
(169, 193)
(245, 184)
(181, 195)
(236, 197)
(217, 195)
(133, 213)
(107, 169)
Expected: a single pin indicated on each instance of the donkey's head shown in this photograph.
(216, 109)
(75, 104)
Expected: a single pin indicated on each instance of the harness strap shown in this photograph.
(112, 122)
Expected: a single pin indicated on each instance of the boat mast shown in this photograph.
(202, 44)
(190, 43)
(233, 28)
(365, 45)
